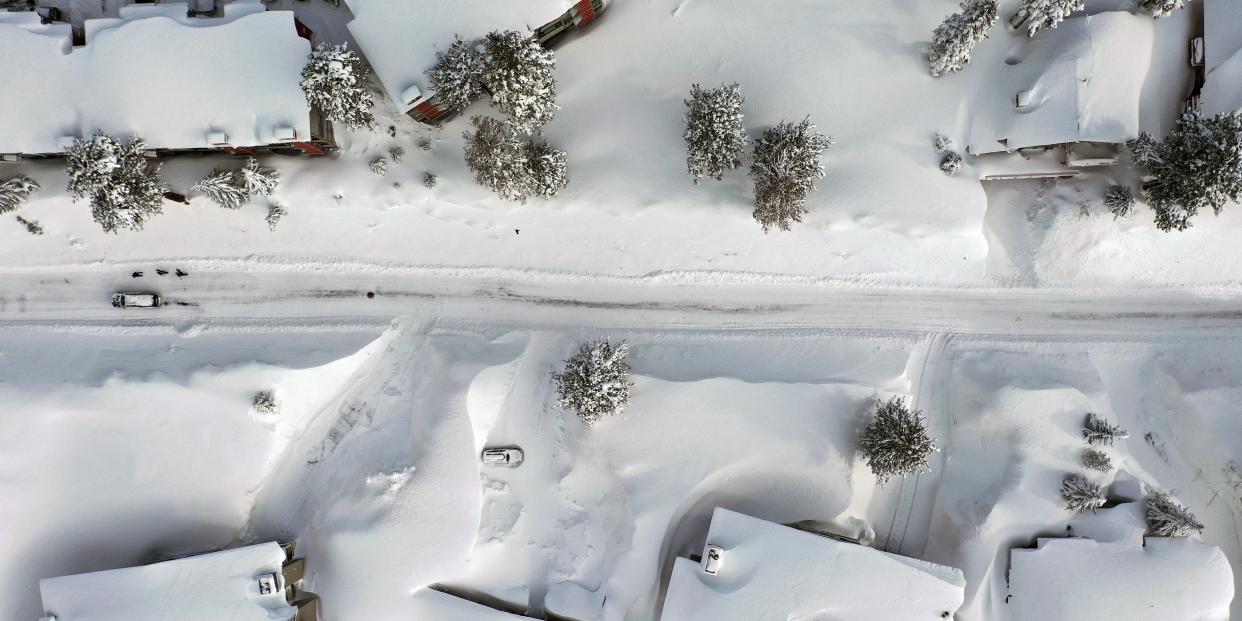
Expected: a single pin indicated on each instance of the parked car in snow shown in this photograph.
(130, 299)
(503, 456)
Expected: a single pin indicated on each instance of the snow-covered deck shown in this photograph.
(154, 73)
(208, 587)
(770, 571)
(400, 38)
(1080, 82)
(1222, 41)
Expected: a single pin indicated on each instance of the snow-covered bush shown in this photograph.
(785, 167)
(519, 76)
(256, 179)
(595, 382)
(275, 211)
(124, 190)
(950, 163)
(1198, 165)
(223, 188)
(1167, 518)
(942, 143)
(1098, 431)
(513, 165)
(430, 180)
(457, 77)
(265, 403)
(396, 154)
(424, 144)
(333, 82)
(1081, 495)
(1160, 8)
(1119, 199)
(896, 443)
(15, 191)
(1042, 14)
(714, 134)
(546, 167)
(32, 226)
(379, 165)
(1097, 460)
(958, 34)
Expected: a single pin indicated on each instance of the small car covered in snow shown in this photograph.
(503, 456)
(130, 299)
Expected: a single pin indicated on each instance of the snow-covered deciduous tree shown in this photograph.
(15, 191)
(785, 167)
(124, 190)
(333, 82)
(1167, 518)
(714, 134)
(1081, 495)
(1098, 431)
(222, 187)
(950, 163)
(957, 35)
(546, 167)
(1198, 165)
(896, 442)
(1119, 199)
(595, 382)
(256, 179)
(457, 76)
(496, 154)
(1160, 8)
(519, 76)
(275, 211)
(1097, 460)
(1042, 14)
(379, 165)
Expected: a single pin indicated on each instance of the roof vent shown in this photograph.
(1024, 98)
(268, 584)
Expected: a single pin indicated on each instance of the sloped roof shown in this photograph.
(400, 38)
(1082, 82)
(769, 571)
(169, 80)
(209, 587)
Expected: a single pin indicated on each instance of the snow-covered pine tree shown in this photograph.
(1098, 431)
(546, 167)
(785, 167)
(519, 77)
(275, 211)
(496, 154)
(124, 190)
(1081, 495)
(333, 82)
(430, 180)
(1096, 460)
(396, 154)
(1119, 199)
(714, 134)
(223, 188)
(379, 165)
(265, 403)
(958, 34)
(1198, 165)
(896, 442)
(457, 76)
(950, 163)
(942, 143)
(1160, 8)
(1042, 14)
(595, 382)
(14, 192)
(1167, 518)
(257, 180)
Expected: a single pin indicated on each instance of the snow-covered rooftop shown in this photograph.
(156, 74)
(433, 605)
(208, 587)
(1119, 576)
(1079, 82)
(770, 571)
(400, 38)
(1222, 42)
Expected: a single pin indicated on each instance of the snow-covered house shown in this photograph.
(400, 38)
(254, 583)
(755, 569)
(1222, 43)
(180, 83)
(1109, 570)
(1077, 86)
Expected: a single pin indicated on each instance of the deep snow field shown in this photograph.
(123, 445)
